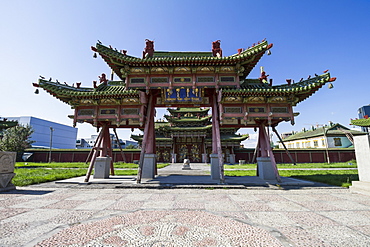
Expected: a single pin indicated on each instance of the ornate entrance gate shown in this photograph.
(184, 79)
(189, 151)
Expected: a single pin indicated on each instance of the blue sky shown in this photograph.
(53, 39)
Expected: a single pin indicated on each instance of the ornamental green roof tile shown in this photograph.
(178, 56)
(175, 128)
(188, 109)
(231, 138)
(188, 119)
(161, 124)
(117, 60)
(363, 122)
(66, 92)
(302, 89)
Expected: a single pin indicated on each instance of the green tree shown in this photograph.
(16, 139)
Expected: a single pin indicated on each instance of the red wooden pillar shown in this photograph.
(217, 163)
(148, 143)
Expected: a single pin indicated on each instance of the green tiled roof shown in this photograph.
(65, 92)
(161, 124)
(302, 90)
(231, 138)
(181, 57)
(251, 86)
(188, 119)
(117, 60)
(330, 131)
(187, 109)
(188, 128)
(139, 138)
(363, 122)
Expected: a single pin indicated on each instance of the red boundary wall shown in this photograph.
(302, 155)
(299, 155)
(78, 155)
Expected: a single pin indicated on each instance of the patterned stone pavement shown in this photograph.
(87, 216)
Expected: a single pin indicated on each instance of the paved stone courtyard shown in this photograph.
(108, 213)
(50, 215)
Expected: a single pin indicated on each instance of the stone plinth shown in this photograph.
(7, 163)
(102, 166)
(186, 165)
(173, 158)
(360, 187)
(232, 158)
(215, 169)
(362, 150)
(265, 169)
(204, 158)
(148, 171)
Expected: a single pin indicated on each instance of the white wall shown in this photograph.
(321, 141)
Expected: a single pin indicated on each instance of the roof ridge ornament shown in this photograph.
(149, 48)
(216, 48)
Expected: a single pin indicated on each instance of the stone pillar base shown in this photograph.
(186, 165)
(149, 162)
(204, 158)
(102, 167)
(360, 187)
(5, 179)
(265, 170)
(215, 166)
(232, 158)
(7, 163)
(362, 150)
(174, 158)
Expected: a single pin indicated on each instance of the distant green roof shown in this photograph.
(189, 128)
(363, 122)
(333, 130)
(160, 124)
(231, 138)
(188, 119)
(187, 109)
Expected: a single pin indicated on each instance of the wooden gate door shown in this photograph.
(192, 152)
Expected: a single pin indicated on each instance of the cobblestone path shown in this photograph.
(83, 216)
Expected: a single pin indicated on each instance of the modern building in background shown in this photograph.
(60, 136)
(86, 143)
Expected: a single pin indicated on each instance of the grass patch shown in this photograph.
(28, 173)
(26, 177)
(133, 165)
(29, 165)
(299, 165)
(341, 178)
(125, 172)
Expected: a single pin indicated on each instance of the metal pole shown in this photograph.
(326, 144)
(51, 142)
(282, 142)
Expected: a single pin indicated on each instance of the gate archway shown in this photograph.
(185, 79)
